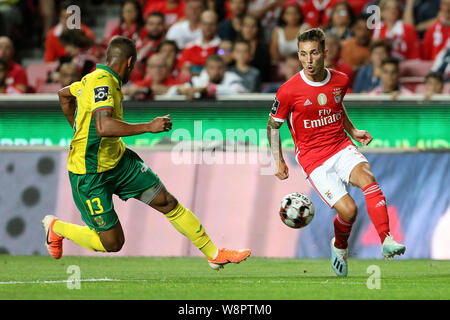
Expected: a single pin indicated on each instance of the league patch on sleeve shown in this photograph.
(275, 106)
(101, 93)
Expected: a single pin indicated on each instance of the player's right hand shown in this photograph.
(160, 124)
(282, 171)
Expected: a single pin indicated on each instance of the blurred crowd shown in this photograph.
(205, 48)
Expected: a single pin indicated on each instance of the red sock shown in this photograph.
(376, 207)
(342, 231)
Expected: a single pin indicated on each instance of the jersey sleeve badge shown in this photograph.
(101, 93)
(275, 106)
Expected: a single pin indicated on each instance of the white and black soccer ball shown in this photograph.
(296, 210)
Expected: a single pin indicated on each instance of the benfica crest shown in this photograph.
(337, 95)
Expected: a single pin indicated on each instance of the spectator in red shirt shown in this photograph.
(53, 48)
(150, 36)
(4, 87)
(403, 37)
(317, 12)
(437, 34)
(80, 48)
(194, 55)
(131, 22)
(169, 49)
(157, 80)
(333, 59)
(357, 5)
(173, 10)
(16, 76)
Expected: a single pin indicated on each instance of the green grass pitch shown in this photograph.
(41, 277)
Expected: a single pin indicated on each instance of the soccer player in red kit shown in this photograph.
(311, 103)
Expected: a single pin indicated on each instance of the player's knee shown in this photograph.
(114, 246)
(170, 203)
(165, 202)
(350, 212)
(368, 179)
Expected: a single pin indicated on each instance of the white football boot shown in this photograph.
(339, 260)
(392, 248)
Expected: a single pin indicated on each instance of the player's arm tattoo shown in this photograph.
(68, 104)
(273, 134)
(101, 117)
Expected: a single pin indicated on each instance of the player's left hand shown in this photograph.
(362, 136)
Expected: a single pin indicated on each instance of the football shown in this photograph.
(296, 210)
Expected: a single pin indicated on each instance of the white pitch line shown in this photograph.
(68, 281)
(164, 280)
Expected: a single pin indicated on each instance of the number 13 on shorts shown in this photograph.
(98, 206)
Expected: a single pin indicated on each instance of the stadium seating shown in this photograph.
(38, 72)
(48, 88)
(415, 68)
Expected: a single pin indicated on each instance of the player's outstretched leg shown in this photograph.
(187, 224)
(362, 177)
(56, 231)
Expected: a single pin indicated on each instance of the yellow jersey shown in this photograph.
(89, 153)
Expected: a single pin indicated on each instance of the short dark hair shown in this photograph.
(214, 57)
(156, 14)
(380, 43)
(435, 75)
(75, 37)
(314, 34)
(169, 42)
(391, 60)
(125, 45)
(242, 41)
(65, 4)
(362, 16)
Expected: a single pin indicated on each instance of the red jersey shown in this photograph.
(170, 15)
(434, 40)
(196, 52)
(131, 32)
(53, 47)
(315, 116)
(403, 37)
(16, 75)
(317, 13)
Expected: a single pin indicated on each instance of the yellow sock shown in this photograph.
(187, 224)
(83, 236)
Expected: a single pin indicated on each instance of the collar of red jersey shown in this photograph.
(316, 84)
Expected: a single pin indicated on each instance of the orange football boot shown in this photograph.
(226, 256)
(53, 241)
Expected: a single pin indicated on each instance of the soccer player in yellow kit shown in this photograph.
(100, 165)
